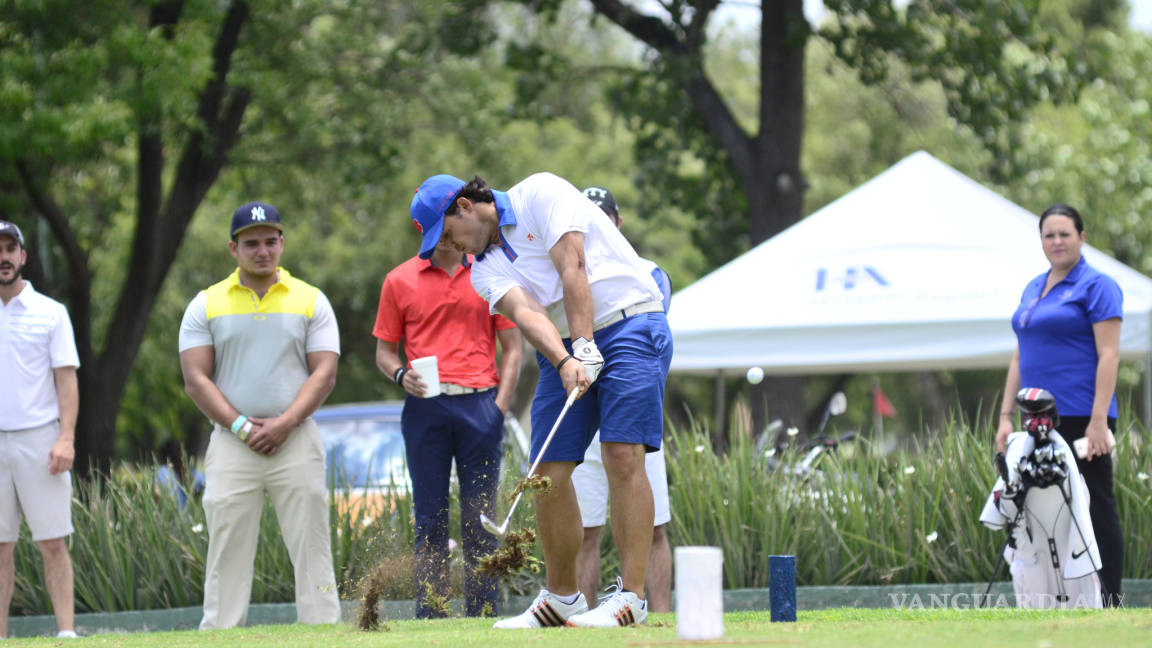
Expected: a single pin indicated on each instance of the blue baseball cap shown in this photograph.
(255, 214)
(428, 205)
(10, 229)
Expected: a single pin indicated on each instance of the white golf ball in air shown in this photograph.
(755, 375)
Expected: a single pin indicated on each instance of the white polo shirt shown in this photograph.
(534, 214)
(35, 338)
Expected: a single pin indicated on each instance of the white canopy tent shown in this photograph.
(920, 268)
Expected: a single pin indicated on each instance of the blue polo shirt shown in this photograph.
(1057, 346)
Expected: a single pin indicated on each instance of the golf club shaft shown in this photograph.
(543, 447)
(552, 432)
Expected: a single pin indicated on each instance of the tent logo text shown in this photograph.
(850, 278)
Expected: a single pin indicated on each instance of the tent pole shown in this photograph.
(1148, 382)
(1148, 391)
(720, 400)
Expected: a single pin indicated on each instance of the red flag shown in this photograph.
(880, 403)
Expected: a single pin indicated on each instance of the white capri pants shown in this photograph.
(236, 481)
(26, 486)
(591, 484)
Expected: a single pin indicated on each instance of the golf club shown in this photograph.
(488, 524)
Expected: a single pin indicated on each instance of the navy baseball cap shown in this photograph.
(428, 205)
(603, 199)
(255, 214)
(10, 229)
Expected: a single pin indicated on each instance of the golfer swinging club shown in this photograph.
(547, 259)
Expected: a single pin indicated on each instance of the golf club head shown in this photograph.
(838, 404)
(491, 527)
(1038, 415)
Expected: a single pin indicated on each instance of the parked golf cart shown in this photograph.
(783, 456)
(366, 463)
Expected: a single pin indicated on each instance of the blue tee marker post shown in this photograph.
(782, 587)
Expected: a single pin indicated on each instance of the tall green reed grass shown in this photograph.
(867, 517)
(135, 549)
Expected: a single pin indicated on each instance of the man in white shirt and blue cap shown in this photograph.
(547, 259)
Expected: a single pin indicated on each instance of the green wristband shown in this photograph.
(244, 431)
(239, 423)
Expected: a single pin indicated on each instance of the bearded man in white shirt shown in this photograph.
(38, 410)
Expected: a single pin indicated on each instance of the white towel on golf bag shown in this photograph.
(1047, 515)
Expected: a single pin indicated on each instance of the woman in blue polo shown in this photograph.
(1068, 342)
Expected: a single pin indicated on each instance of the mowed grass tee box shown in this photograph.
(864, 628)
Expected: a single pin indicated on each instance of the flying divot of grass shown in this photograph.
(374, 585)
(539, 483)
(512, 556)
(439, 603)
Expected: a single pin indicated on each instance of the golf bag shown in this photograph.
(1041, 501)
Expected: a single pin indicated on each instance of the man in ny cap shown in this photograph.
(39, 401)
(591, 482)
(547, 259)
(259, 352)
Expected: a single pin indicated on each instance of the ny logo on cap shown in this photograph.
(257, 213)
(595, 192)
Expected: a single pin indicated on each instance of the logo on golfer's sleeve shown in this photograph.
(258, 213)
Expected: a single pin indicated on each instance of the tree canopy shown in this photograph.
(131, 131)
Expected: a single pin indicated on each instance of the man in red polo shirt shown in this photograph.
(431, 306)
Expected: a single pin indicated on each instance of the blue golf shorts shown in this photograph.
(626, 403)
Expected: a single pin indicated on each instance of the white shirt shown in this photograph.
(35, 338)
(534, 214)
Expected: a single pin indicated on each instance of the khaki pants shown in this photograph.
(236, 482)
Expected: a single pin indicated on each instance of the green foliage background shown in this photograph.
(354, 103)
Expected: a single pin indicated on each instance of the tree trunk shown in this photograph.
(769, 164)
(160, 228)
(775, 191)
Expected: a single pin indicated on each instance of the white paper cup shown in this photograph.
(429, 373)
(699, 592)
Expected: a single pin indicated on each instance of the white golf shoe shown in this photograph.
(546, 611)
(619, 608)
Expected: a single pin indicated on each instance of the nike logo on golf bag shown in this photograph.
(547, 617)
(1077, 554)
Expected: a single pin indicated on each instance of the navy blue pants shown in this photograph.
(1101, 508)
(469, 430)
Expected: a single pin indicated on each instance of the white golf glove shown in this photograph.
(586, 352)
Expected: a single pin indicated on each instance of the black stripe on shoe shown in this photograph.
(547, 616)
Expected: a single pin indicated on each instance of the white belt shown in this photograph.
(452, 389)
(625, 313)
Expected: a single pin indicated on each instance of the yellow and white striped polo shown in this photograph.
(261, 344)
